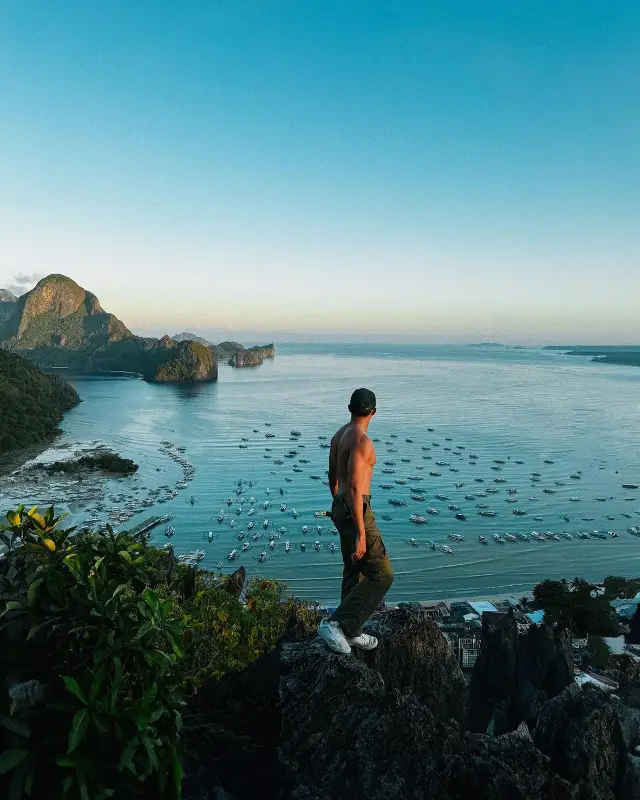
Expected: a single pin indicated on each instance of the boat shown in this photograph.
(283, 507)
(537, 536)
(435, 474)
(483, 540)
(460, 516)
(305, 529)
(240, 536)
(263, 556)
(634, 530)
(250, 525)
(245, 547)
(265, 524)
(419, 498)
(498, 538)
(221, 517)
(565, 535)
(446, 549)
(549, 491)
(169, 530)
(294, 513)
(441, 496)
(432, 544)
(565, 517)
(459, 485)
(548, 461)
(484, 513)
(316, 545)
(519, 512)
(210, 536)
(613, 534)
(287, 547)
(629, 485)
(574, 499)
(266, 504)
(598, 535)
(522, 536)
(232, 554)
(456, 537)
(432, 510)
(510, 537)
(332, 547)
(412, 542)
(453, 507)
(303, 546)
(318, 529)
(418, 519)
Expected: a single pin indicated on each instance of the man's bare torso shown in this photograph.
(345, 440)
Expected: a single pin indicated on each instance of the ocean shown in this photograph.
(557, 415)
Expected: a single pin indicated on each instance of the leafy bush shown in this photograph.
(101, 637)
(577, 605)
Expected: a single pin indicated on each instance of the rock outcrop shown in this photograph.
(252, 356)
(516, 674)
(303, 723)
(58, 323)
(8, 302)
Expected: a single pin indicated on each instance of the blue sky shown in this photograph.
(429, 171)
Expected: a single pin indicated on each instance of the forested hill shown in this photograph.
(31, 402)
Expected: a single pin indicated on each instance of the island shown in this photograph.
(626, 355)
(60, 324)
(32, 403)
(99, 460)
(233, 353)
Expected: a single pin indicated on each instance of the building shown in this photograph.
(468, 650)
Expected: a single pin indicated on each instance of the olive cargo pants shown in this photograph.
(366, 581)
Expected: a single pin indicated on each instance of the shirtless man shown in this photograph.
(367, 573)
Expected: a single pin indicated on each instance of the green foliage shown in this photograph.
(31, 402)
(105, 651)
(577, 605)
(105, 461)
(616, 586)
(101, 636)
(599, 654)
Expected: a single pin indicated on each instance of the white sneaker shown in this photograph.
(332, 634)
(364, 641)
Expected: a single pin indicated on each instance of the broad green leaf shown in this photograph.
(127, 755)
(78, 729)
(73, 687)
(14, 518)
(176, 772)
(39, 519)
(15, 725)
(13, 605)
(67, 783)
(32, 591)
(11, 757)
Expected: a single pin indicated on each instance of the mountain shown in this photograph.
(7, 304)
(58, 323)
(185, 336)
(31, 402)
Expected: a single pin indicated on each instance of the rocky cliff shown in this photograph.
(303, 723)
(58, 323)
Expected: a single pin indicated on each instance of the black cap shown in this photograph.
(363, 401)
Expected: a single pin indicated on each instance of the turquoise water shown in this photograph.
(501, 405)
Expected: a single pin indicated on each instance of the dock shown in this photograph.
(148, 524)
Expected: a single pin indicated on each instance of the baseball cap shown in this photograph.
(362, 400)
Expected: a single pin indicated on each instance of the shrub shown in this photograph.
(94, 698)
(101, 637)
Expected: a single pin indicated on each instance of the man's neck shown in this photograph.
(362, 423)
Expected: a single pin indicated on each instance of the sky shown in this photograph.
(328, 169)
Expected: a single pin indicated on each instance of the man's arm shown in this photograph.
(333, 466)
(358, 473)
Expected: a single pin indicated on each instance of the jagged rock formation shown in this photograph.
(31, 403)
(303, 723)
(516, 674)
(58, 323)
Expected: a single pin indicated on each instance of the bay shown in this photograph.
(500, 404)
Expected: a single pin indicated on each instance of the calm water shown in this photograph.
(505, 405)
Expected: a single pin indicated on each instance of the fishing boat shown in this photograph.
(498, 538)
(418, 519)
(460, 516)
(456, 537)
(432, 510)
(265, 524)
(232, 554)
(412, 542)
(483, 540)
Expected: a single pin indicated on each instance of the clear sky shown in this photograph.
(312, 168)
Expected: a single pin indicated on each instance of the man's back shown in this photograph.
(350, 441)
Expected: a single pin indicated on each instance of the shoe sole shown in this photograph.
(362, 647)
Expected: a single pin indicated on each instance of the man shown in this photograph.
(367, 573)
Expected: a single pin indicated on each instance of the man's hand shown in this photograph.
(361, 547)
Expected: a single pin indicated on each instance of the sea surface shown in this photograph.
(434, 404)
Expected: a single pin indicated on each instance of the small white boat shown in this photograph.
(210, 536)
(305, 529)
(287, 547)
(265, 524)
(283, 507)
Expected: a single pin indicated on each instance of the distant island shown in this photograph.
(233, 353)
(626, 355)
(60, 324)
(486, 344)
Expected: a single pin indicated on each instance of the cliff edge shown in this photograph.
(303, 723)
